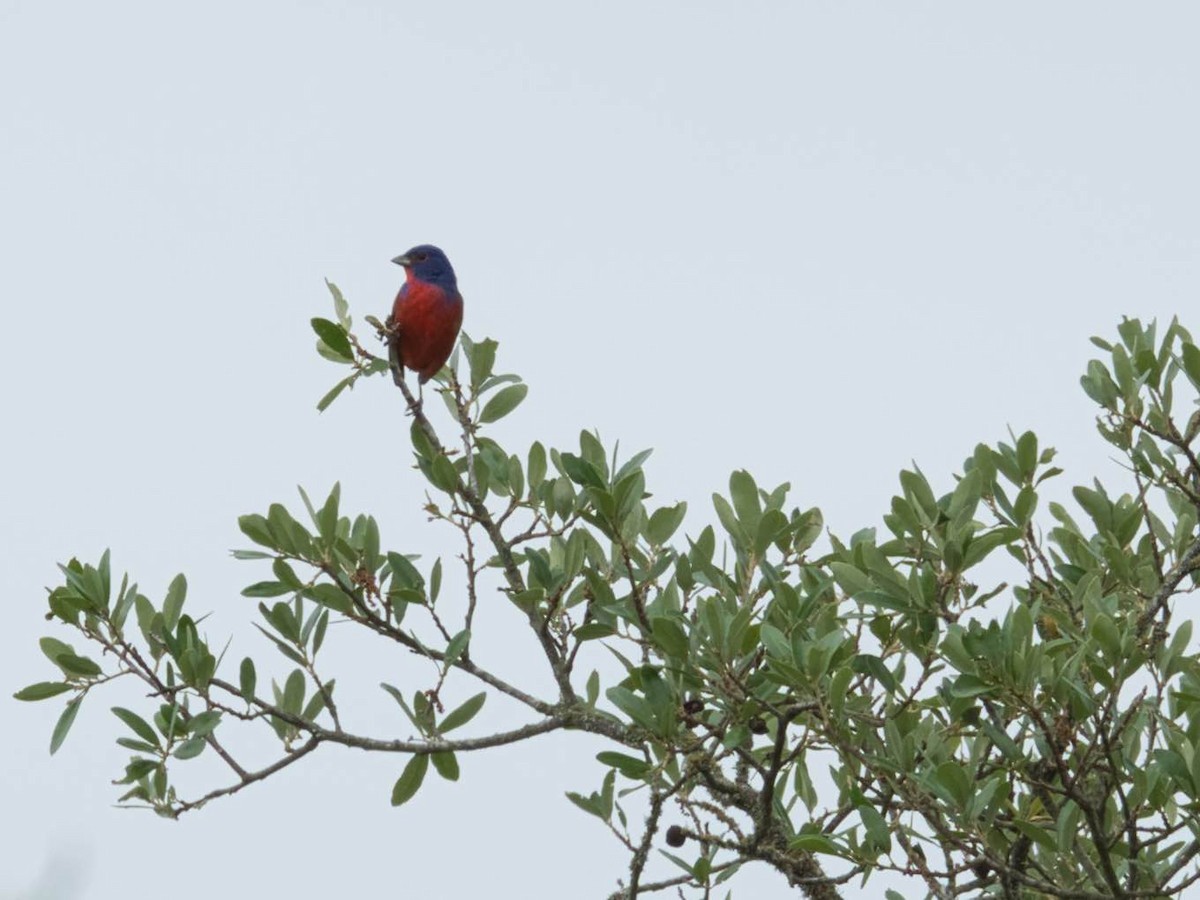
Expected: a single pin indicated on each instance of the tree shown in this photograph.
(1004, 703)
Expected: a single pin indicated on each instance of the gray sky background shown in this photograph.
(814, 240)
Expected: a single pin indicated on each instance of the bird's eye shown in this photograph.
(421, 257)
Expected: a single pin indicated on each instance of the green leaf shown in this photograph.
(850, 579)
(629, 766)
(399, 698)
(331, 596)
(1003, 742)
(104, 570)
(173, 604)
(190, 748)
(204, 723)
(140, 726)
(65, 721)
(664, 523)
(463, 714)
(282, 619)
(1098, 385)
(879, 836)
(446, 764)
(968, 685)
(590, 805)
(1024, 506)
(286, 574)
(266, 589)
(255, 527)
(42, 690)
(316, 703)
(633, 706)
(340, 307)
(456, 647)
(137, 770)
(443, 474)
(592, 450)
(404, 573)
(776, 643)
(668, 635)
(730, 521)
(953, 778)
(1037, 833)
(1191, 363)
(770, 526)
(580, 471)
(319, 632)
(966, 496)
(1027, 454)
(78, 665)
(481, 357)
(53, 649)
(744, 493)
(248, 679)
(634, 462)
(410, 779)
(136, 746)
(815, 843)
(123, 605)
(1107, 636)
(593, 688)
(592, 631)
(435, 580)
(536, 471)
(917, 491)
(503, 402)
(981, 545)
(327, 519)
(869, 664)
(334, 392)
(293, 692)
(334, 337)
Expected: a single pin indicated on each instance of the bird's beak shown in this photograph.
(402, 260)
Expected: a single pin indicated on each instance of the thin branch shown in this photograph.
(677, 881)
(1186, 564)
(481, 514)
(250, 778)
(638, 863)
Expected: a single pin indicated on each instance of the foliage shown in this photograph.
(1029, 732)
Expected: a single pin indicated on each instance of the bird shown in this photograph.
(426, 315)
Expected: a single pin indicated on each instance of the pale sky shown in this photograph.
(814, 240)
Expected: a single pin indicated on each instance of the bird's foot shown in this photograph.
(415, 405)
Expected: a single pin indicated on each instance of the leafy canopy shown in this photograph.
(983, 698)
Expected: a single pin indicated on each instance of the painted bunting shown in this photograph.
(427, 313)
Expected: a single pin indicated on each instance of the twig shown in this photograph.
(250, 778)
(512, 574)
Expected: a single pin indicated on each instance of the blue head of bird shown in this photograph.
(429, 264)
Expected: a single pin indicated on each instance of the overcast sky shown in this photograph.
(815, 240)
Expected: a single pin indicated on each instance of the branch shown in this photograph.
(129, 655)
(643, 851)
(566, 719)
(250, 777)
(677, 881)
(1188, 563)
(387, 629)
(481, 514)
(767, 798)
